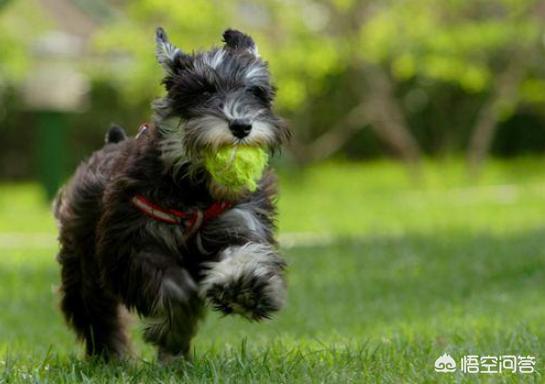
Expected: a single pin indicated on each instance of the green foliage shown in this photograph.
(462, 42)
(443, 61)
(19, 25)
(319, 52)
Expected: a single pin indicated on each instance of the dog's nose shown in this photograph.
(240, 128)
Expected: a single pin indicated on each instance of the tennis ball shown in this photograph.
(236, 167)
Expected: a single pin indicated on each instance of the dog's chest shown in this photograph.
(170, 236)
(232, 222)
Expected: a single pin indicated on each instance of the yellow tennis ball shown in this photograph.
(236, 167)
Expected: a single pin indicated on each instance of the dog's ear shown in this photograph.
(239, 41)
(170, 57)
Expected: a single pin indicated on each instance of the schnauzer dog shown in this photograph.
(144, 227)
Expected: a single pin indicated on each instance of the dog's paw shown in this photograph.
(253, 297)
(248, 280)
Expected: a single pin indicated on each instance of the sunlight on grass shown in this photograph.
(24, 209)
(360, 199)
(344, 199)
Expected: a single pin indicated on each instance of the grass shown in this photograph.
(385, 276)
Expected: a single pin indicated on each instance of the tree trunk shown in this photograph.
(386, 117)
(333, 139)
(505, 94)
(377, 108)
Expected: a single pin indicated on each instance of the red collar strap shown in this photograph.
(191, 220)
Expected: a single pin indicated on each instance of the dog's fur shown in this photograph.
(114, 257)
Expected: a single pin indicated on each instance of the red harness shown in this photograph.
(190, 220)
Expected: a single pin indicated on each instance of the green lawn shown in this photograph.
(385, 276)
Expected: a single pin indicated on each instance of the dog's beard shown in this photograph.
(183, 142)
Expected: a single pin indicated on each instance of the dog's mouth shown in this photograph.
(235, 169)
(234, 165)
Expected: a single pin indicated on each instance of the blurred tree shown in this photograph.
(493, 48)
(14, 57)
(357, 78)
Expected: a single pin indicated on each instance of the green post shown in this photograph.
(52, 150)
(54, 88)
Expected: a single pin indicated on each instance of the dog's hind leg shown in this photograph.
(174, 315)
(162, 291)
(95, 314)
(171, 328)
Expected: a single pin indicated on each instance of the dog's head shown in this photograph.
(219, 97)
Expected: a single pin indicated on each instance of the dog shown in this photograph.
(143, 226)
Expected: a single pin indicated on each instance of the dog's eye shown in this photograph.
(208, 91)
(259, 92)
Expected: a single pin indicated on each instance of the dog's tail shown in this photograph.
(115, 134)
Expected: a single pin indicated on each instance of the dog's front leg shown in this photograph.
(247, 279)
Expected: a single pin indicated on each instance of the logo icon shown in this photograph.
(445, 363)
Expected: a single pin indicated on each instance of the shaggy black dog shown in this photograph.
(143, 225)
